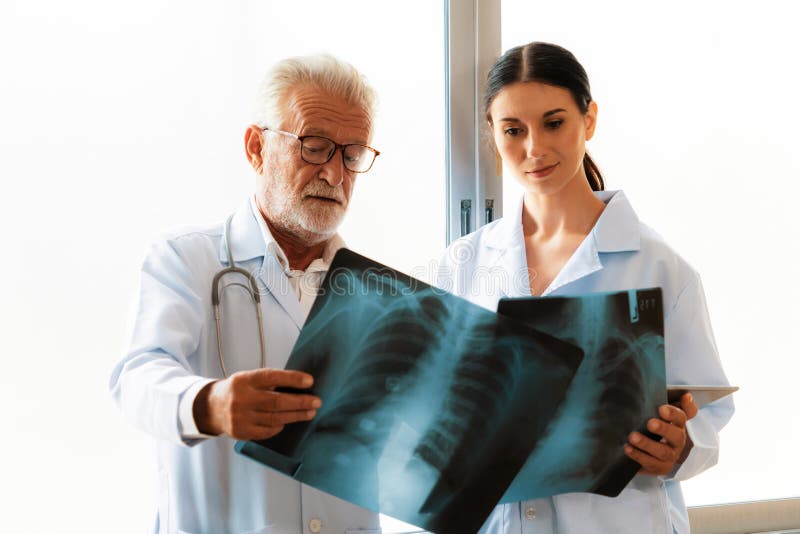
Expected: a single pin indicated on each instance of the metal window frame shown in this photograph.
(474, 189)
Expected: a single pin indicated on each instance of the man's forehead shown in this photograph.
(315, 111)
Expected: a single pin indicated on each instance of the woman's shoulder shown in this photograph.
(665, 265)
(494, 235)
(625, 230)
(495, 231)
(653, 244)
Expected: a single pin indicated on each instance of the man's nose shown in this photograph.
(333, 171)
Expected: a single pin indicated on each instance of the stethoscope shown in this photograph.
(252, 291)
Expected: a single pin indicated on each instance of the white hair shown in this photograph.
(323, 71)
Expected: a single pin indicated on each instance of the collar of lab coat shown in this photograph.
(248, 243)
(272, 246)
(616, 230)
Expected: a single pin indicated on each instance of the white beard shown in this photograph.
(310, 220)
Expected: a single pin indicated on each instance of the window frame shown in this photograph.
(472, 43)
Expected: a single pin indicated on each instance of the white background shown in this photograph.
(120, 120)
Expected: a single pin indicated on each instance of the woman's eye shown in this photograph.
(553, 125)
(512, 131)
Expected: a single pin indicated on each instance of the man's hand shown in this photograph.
(659, 457)
(246, 406)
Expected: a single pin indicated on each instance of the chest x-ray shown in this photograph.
(431, 404)
(618, 387)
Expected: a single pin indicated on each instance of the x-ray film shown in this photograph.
(431, 404)
(618, 387)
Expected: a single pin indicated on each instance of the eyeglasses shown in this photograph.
(319, 150)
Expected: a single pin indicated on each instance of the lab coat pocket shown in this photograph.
(631, 512)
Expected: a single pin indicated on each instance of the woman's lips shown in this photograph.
(542, 172)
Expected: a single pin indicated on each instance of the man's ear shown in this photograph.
(590, 119)
(254, 146)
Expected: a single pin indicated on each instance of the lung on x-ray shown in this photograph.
(618, 387)
(432, 405)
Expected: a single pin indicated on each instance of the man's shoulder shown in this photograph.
(186, 247)
(189, 233)
(190, 238)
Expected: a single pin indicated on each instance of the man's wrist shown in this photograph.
(202, 412)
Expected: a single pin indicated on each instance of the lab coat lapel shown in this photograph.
(506, 245)
(247, 243)
(583, 262)
(278, 285)
(616, 230)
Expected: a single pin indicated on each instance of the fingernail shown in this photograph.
(653, 425)
(628, 449)
(316, 403)
(636, 438)
(311, 413)
(307, 381)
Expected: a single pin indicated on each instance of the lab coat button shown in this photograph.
(315, 525)
(530, 513)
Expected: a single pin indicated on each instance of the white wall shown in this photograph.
(119, 120)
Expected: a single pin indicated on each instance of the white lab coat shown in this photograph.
(204, 486)
(620, 253)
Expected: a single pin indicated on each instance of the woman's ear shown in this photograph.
(590, 119)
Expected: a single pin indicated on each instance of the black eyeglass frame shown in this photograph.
(336, 146)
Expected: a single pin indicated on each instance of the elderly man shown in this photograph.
(196, 381)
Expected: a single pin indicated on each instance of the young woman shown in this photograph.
(566, 235)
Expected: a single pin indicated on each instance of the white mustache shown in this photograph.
(325, 192)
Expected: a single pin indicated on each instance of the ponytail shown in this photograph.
(593, 173)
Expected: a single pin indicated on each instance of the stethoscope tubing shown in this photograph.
(252, 291)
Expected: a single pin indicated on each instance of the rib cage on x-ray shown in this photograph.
(477, 392)
(621, 377)
(435, 409)
(613, 393)
(411, 336)
(384, 365)
(431, 404)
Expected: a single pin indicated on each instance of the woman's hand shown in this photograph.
(660, 457)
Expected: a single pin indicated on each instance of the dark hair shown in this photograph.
(550, 64)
